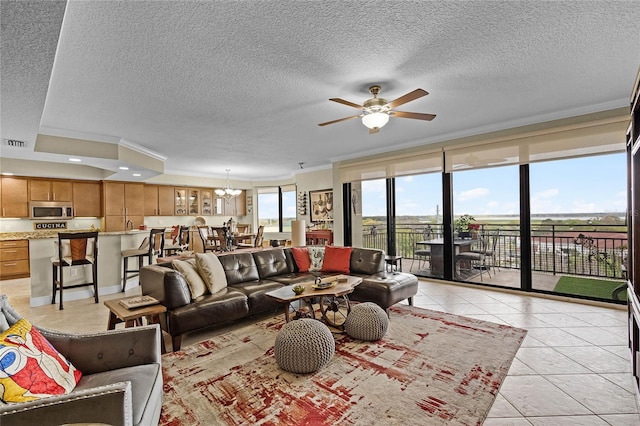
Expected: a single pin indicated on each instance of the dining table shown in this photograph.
(436, 247)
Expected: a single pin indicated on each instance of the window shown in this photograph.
(277, 208)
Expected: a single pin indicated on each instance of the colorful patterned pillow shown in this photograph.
(316, 256)
(30, 368)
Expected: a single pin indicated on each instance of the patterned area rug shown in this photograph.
(431, 368)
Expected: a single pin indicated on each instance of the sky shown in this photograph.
(583, 185)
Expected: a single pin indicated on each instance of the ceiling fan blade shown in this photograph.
(347, 103)
(418, 93)
(339, 120)
(416, 115)
(374, 130)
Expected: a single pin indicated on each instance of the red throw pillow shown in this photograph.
(337, 259)
(301, 256)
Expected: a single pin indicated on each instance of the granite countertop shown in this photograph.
(52, 233)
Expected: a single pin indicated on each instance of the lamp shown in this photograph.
(375, 119)
(228, 193)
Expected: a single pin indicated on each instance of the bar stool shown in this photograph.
(74, 249)
(151, 246)
(183, 242)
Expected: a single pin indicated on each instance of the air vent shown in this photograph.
(14, 143)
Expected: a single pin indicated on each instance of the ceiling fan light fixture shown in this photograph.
(375, 120)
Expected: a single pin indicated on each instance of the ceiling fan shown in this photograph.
(376, 111)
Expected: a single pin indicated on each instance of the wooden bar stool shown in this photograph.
(151, 246)
(74, 249)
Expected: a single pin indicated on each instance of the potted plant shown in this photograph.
(461, 225)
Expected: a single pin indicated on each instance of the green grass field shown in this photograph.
(588, 287)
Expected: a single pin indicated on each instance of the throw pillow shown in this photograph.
(211, 271)
(316, 256)
(301, 256)
(189, 271)
(30, 368)
(336, 259)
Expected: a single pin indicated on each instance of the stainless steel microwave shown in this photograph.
(51, 210)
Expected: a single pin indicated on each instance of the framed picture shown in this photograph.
(321, 205)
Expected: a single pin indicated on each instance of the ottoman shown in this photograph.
(367, 321)
(304, 346)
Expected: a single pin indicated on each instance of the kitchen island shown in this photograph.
(42, 249)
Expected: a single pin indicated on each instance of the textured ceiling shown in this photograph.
(242, 85)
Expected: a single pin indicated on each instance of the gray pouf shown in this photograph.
(304, 346)
(367, 321)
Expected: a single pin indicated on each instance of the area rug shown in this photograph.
(431, 368)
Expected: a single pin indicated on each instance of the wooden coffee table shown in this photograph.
(333, 301)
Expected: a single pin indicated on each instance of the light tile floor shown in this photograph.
(573, 367)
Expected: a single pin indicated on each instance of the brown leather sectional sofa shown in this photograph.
(252, 274)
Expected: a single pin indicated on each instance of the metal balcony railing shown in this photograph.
(584, 250)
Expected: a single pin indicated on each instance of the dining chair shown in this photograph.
(75, 249)
(477, 258)
(422, 253)
(208, 244)
(181, 244)
(257, 241)
(151, 246)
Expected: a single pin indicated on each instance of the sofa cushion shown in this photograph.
(316, 256)
(4, 324)
(366, 261)
(336, 259)
(301, 256)
(189, 271)
(32, 368)
(145, 386)
(211, 271)
(239, 267)
(271, 263)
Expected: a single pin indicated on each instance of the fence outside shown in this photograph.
(583, 250)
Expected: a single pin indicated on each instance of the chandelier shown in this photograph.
(228, 193)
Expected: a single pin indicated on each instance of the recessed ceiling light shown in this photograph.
(137, 174)
(7, 174)
(75, 160)
(123, 168)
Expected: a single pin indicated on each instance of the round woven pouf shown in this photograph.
(304, 346)
(367, 321)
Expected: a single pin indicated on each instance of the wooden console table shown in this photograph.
(320, 237)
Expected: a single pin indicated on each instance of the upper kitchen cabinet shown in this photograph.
(86, 199)
(50, 190)
(235, 206)
(194, 201)
(14, 200)
(123, 202)
(206, 199)
(158, 200)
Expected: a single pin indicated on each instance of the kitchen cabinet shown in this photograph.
(180, 201)
(206, 199)
(50, 190)
(235, 206)
(86, 199)
(123, 205)
(158, 200)
(14, 195)
(194, 202)
(14, 259)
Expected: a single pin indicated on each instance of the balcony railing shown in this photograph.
(584, 250)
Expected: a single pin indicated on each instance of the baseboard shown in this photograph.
(70, 295)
